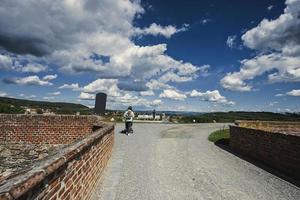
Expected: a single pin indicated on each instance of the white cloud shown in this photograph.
(287, 69)
(87, 96)
(108, 86)
(29, 80)
(103, 28)
(279, 34)
(279, 95)
(27, 97)
(54, 93)
(73, 86)
(156, 102)
(48, 98)
(279, 51)
(173, 77)
(295, 93)
(184, 73)
(270, 7)
(231, 41)
(147, 93)
(34, 68)
(273, 103)
(3, 94)
(6, 63)
(172, 94)
(38, 30)
(155, 29)
(205, 21)
(212, 96)
(156, 85)
(50, 77)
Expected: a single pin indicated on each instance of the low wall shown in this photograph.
(280, 150)
(292, 128)
(70, 174)
(49, 129)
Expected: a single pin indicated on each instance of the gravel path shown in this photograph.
(164, 161)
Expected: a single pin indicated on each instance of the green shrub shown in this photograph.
(219, 135)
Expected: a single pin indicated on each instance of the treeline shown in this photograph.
(16, 106)
(10, 109)
(233, 116)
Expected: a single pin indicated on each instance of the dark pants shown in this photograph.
(128, 127)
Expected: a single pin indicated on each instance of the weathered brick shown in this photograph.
(279, 150)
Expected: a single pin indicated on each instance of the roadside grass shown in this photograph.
(219, 135)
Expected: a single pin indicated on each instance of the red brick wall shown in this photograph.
(50, 129)
(278, 150)
(72, 174)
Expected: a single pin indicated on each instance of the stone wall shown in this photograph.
(279, 150)
(49, 129)
(70, 174)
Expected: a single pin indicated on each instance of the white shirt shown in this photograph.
(129, 115)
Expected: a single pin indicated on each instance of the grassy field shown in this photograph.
(219, 135)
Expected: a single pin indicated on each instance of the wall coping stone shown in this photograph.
(15, 187)
(292, 134)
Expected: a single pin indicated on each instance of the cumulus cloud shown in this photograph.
(72, 86)
(6, 63)
(156, 102)
(129, 85)
(29, 80)
(157, 85)
(86, 96)
(108, 86)
(212, 96)
(3, 94)
(172, 94)
(287, 69)
(34, 68)
(147, 93)
(281, 34)
(89, 37)
(77, 19)
(173, 77)
(54, 93)
(295, 93)
(50, 77)
(155, 29)
(278, 44)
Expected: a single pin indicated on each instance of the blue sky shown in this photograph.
(193, 56)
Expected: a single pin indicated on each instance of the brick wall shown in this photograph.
(278, 150)
(50, 129)
(70, 174)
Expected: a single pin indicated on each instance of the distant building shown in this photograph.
(30, 111)
(148, 117)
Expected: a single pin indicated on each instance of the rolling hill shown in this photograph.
(12, 105)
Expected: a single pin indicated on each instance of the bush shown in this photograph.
(219, 135)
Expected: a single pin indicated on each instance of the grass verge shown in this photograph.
(219, 135)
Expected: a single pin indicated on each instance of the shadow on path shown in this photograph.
(224, 144)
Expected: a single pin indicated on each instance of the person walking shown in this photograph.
(128, 116)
